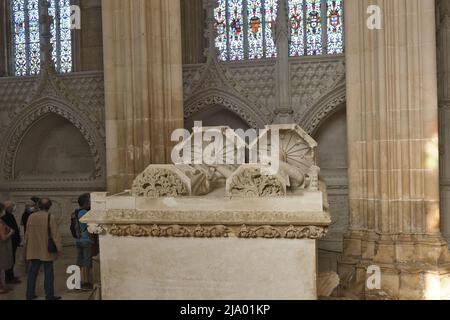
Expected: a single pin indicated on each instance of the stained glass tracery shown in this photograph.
(271, 10)
(255, 21)
(313, 27)
(26, 37)
(245, 28)
(296, 25)
(335, 32)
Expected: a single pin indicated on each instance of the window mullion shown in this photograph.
(263, 28)
(227, 19)
(305, 28)
(245, 28)
(58, 35)
(27, 38)
(324, 27)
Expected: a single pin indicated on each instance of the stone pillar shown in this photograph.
(283, 111)
(143, 85)
(392, 112)
(193, 27)
(444, 49)
(88, 40)
(443, 23)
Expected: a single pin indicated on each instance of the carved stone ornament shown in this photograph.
(161, 181)
(96, 229)
(173, 231)
(250, 181)
(218, 231)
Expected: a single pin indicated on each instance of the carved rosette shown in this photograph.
(251, 182)
(218, 231)
(157, 182)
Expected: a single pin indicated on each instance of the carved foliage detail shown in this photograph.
(173, 231)
(309, 232)
(252, 183)
(157, 182)
(259, 232)
(218, 231)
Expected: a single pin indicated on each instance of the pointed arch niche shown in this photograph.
(53, 148)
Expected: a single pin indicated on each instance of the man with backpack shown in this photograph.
(83, 241)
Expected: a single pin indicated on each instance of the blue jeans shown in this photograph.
(48, 280)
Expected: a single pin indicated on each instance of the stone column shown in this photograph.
(443, 24)
(193, 27)
(283, 111)
(392, 112)
(143, 85)
(89, 50)
(444, 49)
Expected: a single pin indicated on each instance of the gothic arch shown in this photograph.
(234, 104)
(323, 109)
(32, 114)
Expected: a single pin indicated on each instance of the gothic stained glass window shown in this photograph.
(296, 26)
(221, 29)
(255, 39)
(313, 27)
(335, 31)
(26, 38)
(236, 30)
(245, 28)
(271, 10)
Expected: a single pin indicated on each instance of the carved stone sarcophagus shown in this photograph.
(205, 230)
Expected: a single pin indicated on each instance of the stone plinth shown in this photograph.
(211, 247)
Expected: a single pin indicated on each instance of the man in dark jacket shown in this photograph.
(11, 222)
(30, 208)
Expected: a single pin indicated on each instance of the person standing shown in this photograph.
(6, 261)
(84, 243)
(30, 208)
(10, 220)
(40, 225)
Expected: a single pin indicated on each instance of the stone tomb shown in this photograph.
(215, 232)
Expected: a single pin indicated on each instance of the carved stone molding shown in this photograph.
(215, 231)
(313, 118)
(215, 99)
(248, 88)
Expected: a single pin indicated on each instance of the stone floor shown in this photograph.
(60, 266)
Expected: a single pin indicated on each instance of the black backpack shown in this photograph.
(75, 228)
